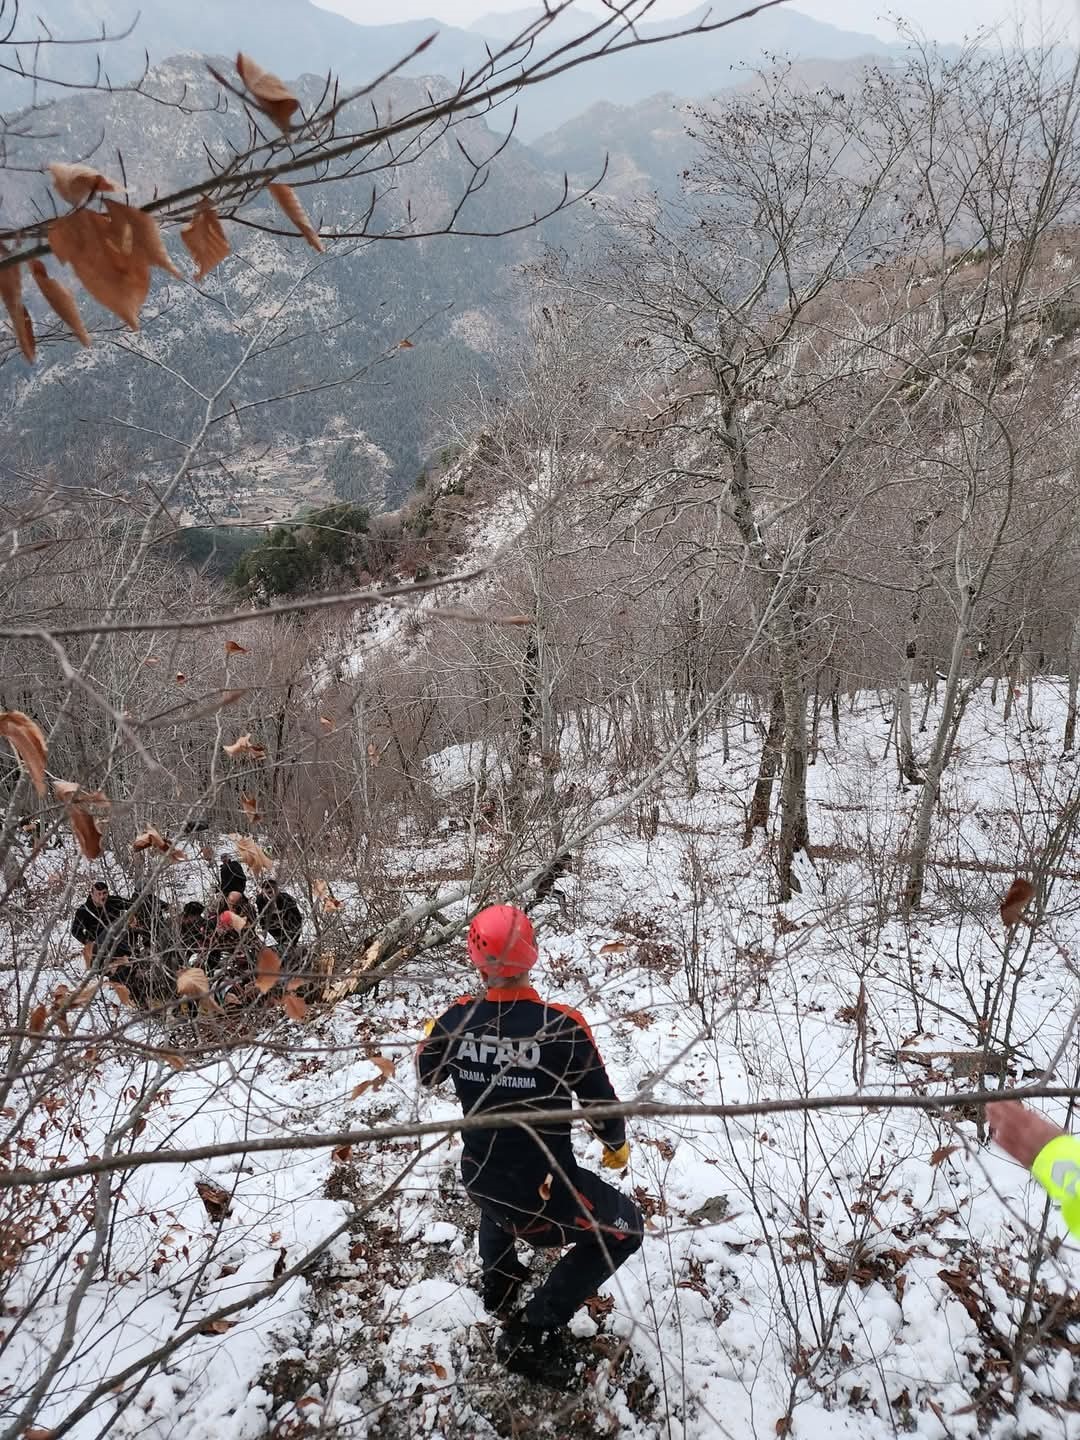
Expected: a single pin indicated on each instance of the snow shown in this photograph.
(817, 1274)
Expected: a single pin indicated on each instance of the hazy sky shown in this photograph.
(941, 19)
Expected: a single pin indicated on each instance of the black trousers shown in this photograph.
(603, 1227)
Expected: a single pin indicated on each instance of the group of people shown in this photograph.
(141, 944)
(507, 1049)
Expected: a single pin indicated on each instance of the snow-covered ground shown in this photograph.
(815, 1274)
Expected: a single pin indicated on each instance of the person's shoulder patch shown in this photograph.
(574, 1015)
(452, 1012)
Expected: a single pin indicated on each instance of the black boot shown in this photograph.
(541, 1355)
(499, 1288)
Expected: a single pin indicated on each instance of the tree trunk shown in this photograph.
(527, 722)
(1074, 684)
(905, 753)
(939, 752)
(905, 750)
(794, 823)
(1028, 662)
(816, 723)
(768, 768)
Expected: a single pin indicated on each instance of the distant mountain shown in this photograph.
(291, 37)
(646, 146)
(459, 300)
(294, 36)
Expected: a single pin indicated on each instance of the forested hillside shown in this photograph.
(332, 324)
(549, 955)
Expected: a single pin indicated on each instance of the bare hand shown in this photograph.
(1020, 1132)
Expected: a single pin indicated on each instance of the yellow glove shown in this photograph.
(429, 1026)
(616, 1159)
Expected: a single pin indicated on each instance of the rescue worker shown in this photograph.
(231, 876)
(509, 1049)
(101, 921)
(1050, 1153)
(229, 958)
(279, 915)
(195, 929)
(239, 904)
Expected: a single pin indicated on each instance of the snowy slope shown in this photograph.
(837, 1273)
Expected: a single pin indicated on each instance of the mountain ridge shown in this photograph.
(294, 37)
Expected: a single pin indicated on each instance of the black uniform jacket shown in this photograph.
(103, 925)
(511, 1050)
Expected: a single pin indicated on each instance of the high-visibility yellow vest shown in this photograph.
(1057, 1169)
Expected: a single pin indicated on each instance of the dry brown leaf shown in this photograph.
(331, 904)
(71, 793)
(177, 1062)
(122, 993)
(26, 739)
(217, 1201)
(268, 970)
(76, 183)
(943, 1153)
(63, 304)
(217, 1327)
(85, 993)
(87, 833)
(294, 1007)
(245, 746)
(341, 1154)
(251, 854)
(150, 839)
(326, 722)
(405, 345)
(38, 1432)
(1018, 896)
(38, 1016)
(152, 660)
(375, 1083)
(137, 232)
(11, 295)
(233, 647)
(614, 947)
(383, 1064)
(544, 1190)
(285, 198)
(272, 96)
(250, 806)
(104, 256)
(193, 983)
(205, 239)
(439, 1371)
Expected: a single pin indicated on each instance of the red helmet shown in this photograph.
(501, 942)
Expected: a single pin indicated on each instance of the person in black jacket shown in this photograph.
(279, 914)
(232, 876)
(195, 927)
(512, 1050)
(101, 924)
